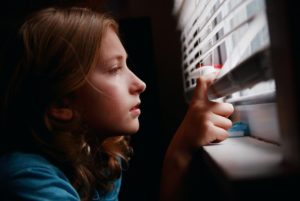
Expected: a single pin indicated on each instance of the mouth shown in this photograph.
(136, 107)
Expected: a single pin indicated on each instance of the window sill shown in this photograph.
(246, 158)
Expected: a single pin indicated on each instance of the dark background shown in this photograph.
(148, 31)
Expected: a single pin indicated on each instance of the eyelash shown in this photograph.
(115, 70)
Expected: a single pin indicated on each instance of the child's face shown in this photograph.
(110, 98)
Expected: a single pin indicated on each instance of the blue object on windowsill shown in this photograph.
(239, 129)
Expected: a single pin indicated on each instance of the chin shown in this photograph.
(132, 129)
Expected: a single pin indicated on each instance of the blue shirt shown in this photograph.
(31, 177)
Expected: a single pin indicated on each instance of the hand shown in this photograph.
(206, 121)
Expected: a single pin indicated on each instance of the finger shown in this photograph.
(223, 109)
(210, 78)
(219, 135)
(203, 82)
(221, 121)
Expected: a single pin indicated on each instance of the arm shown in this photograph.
(205, 122)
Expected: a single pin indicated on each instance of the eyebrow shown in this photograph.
(118, 57)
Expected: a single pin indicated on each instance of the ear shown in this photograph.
(60, 111)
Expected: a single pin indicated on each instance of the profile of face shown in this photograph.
(110, 98)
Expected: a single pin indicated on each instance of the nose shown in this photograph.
(138, 86)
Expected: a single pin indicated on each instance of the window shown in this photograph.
(252, 42)
(233, 35)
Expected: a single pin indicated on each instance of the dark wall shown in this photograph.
(145, 166)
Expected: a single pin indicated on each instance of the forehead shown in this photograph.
(111, 46)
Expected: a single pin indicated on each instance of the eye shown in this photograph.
(115, 70)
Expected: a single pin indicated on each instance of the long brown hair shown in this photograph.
(57, 49)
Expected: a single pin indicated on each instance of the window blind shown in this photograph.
(227, 34)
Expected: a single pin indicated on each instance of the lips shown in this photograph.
(137, 106)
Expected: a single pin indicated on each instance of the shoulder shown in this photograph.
(25, 176)
(112, 195)
(18, 161)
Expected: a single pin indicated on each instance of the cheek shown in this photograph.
(104, 110)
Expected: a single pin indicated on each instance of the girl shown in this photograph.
(69, 101)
